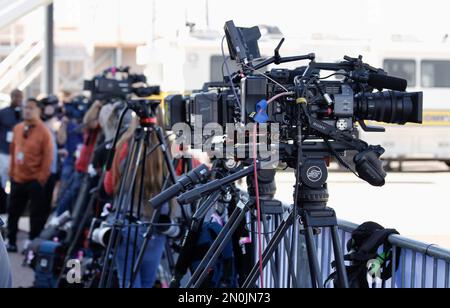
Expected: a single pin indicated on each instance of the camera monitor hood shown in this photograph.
(242, 42)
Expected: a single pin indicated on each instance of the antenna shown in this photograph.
(277, 57)
(207, 13)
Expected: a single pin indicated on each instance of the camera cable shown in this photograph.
(258, 205)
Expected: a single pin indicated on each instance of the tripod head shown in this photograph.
(146, 110)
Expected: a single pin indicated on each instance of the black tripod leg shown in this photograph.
(191, 239)
(129, 231)
(274, 268)
(165, 151)
(270, 249)
(217, 247)
(169, 257)
(114, 256)
(289, 247)
(118, 207)
(339, 259)
(129, 200)
(316, 277)
(87, 213)
(140, 201)
(149, 234)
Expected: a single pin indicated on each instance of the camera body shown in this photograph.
(214, 104)
(340, 104)
(118, 83)
(50, 107)
(315, 116)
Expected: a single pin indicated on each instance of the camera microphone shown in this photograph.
(147, 91)
(380, 81)
(192, 178)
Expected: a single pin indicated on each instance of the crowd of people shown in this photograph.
(39, 138)
(48, 146)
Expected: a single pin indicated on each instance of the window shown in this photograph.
(217, 64)
(405, 69)
(435, 74)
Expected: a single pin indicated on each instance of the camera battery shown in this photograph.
(174, 111)
(206, 106)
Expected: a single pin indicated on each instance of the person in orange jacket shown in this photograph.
(31, 158)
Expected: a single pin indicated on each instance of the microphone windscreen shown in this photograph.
(380, 81)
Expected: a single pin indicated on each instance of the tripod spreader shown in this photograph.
(206, 189)
(194, 177)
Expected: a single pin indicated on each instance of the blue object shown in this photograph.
(261, 112)
(147, 275)
(69, 196)
(9, 117)
(47, 259)
(74, 139)
(223, 273)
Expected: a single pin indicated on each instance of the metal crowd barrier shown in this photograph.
(421, 265)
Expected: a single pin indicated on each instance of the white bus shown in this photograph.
(427, 68)
(184, 64)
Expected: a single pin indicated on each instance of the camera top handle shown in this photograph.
(278, 59)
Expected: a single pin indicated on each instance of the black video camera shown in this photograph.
(50, 107)
(214, 104)
(305, 104)
(118, 84)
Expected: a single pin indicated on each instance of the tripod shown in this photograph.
(244, 204)
(89, 195)
(140, 149)
(311, 208)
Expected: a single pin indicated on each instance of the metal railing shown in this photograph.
(421, 265)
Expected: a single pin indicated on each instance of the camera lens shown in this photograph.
(390, 107)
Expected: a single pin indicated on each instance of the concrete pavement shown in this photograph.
(415, 202)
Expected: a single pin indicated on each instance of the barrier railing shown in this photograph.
(421, 265)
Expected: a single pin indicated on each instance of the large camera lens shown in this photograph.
(390, 107)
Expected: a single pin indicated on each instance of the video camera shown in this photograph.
(118, 83)
(77, 108)
(50, 107)
(214, 103)
(305, 104)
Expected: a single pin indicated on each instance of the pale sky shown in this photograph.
(367, 18)
(360, 17)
